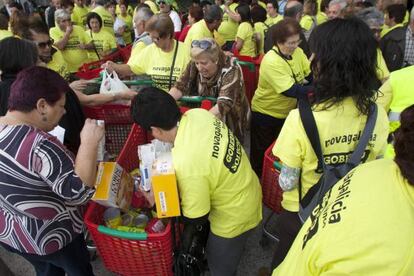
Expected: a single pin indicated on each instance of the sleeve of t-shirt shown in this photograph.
(137, 66)
(54, 165)
(288, 144)
(243, 31)
(54, 34)
(382, 70)
(305, 63)
(277, 74)
(136, 49)
(385, 95)
(195, 196)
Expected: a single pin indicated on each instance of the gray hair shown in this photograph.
(212, 13)
(371, 16)
(293, 11)
(61, 14)
(143, 14)
(342, 3)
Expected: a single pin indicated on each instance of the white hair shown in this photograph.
(61, 14)
(143, 14)
(342, 3)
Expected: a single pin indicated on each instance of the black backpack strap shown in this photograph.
(356, 156)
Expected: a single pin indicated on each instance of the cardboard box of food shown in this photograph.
(114, 186)
(164, 185)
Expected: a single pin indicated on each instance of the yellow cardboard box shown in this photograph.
(166, 195)
(114, 186)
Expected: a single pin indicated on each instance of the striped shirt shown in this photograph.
(41, 197)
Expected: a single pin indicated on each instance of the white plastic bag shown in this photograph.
(111, 83)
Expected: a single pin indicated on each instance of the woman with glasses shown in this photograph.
(282, 80)
(164, 60)
(166, 7)
(211, 73)
(103, 41)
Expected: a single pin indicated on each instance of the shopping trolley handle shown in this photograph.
(196, 99)
(250, 65)
(122, 234)
(277, 165)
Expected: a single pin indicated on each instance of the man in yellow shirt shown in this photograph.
(70, 40)
(142, 40)
(273, 17)
(207, 27)
(214, 176)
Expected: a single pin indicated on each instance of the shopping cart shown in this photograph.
(92, 70)
(118, 120)
(128, 253)
(188, 102)
(272, 193)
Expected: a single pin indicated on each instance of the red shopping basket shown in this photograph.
(118, 123)
(125, 52)
(92, 70)
(272, 193)
(189, 102)
(130, 254)
(250, 69)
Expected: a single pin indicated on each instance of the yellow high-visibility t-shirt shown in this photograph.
(130, 10)
(73, 55)
(79, 15)
(58, 64)
(158, 64)
(103, 42)
(153, 6)
(382, 70)
(107, 20)
(5, 33)
(260, 28)
(127, 35)
(228, 27)
(246, 33)
(340, 128)
(307, 22)
(321, 17)
(214, 175)
(273, 20)
(364, 227)
(276, 76)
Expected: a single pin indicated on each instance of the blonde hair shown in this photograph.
(212, 53)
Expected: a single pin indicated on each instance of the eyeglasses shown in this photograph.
(161, 3)
(43, 44)
(293, 43)
(202, 44)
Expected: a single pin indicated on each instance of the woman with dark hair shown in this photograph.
(246, 42)
(370, 215)
(15, 55)
(346, 83)
(43, 189)
(282, 79)
(195, 14)
(103, 41)
(258, 14)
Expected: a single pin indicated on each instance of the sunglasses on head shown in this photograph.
(161, 3)
(43, 44)
(202, 44)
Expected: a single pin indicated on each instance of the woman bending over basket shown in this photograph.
(211, 73)
(42, 187)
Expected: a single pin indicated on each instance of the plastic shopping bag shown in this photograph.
(111, 83)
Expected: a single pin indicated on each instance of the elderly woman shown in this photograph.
(41, 204)
(212, 73)
(164, 60)
(103, 41)
(71, 40)
(282, 79)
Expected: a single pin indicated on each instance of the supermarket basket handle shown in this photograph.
(122, 234)
(195, 99)
(250, 65)
(277, 165)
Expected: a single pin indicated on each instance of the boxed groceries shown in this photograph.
(114, 186)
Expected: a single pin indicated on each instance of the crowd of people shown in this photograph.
(345, 58)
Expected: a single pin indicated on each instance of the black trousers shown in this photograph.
(288, 225)
(264, 131)
(73, 259)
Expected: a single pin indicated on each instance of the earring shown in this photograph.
(44, 118)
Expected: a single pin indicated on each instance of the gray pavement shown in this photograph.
(254, 258)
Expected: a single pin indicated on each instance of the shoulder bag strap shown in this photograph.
(94, 47)
(172, 65)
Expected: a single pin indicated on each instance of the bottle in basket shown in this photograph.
(101, 146)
